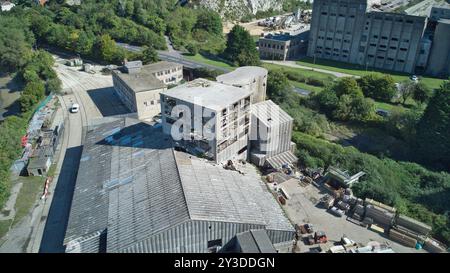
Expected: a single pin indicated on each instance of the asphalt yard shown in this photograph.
(303, 207)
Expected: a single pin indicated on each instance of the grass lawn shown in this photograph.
(357, 70)
(305, 72)
(4, 227)
(305, 86)
(203, 59)
(31, 189)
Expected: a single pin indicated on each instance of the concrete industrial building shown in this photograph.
(351, 31)
(139, 86)
(227, 106)
(135, 193)
(271, 135)
(252, 78)
(281, 46)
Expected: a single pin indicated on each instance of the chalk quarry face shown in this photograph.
(239, 8)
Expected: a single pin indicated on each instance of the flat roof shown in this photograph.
(242, 75)
(144, 80)
(210, 94)
(133, 184)
(279, 37)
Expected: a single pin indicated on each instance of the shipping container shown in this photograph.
(402, 239)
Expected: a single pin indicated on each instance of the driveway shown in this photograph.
(293, 64)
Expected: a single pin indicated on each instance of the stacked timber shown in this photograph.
(372, 202)
(434, 246)
(380, 215)
(402, 238)
(413, 225)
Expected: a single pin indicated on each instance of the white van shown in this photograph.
(74, 108)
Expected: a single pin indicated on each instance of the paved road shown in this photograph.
(86, 89)
(302, 92)
(43, 229)
(295, 65)
(171, 55)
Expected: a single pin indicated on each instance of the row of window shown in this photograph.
(275, 46)
(382, 58)
(168, 71)
(364, 38)
(340, 15)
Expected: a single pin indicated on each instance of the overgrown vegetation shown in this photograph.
(414, 190)
(35, 70)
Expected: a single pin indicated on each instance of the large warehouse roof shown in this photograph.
(133, 184)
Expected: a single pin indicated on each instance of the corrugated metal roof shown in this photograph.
(255, 241)
(215, 194)
(280, 159)
(132, 183)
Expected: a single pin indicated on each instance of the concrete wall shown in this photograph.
(231, 132)
(170, 76)
(439, 61)
(272, 49)
(343, 31)
(126, 95)
(148, 103)
(336, 28)
(391, 41)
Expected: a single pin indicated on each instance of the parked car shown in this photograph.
(74, 108)
(414, 78)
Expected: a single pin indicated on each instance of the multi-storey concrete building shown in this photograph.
(281, 46)
(440, 53)
(218, 117)
(271, 134)
(139, 86)
(351, 31)
(252, 78)
(348, 31)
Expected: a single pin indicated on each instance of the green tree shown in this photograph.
(241, 48)
(378, 86)
(54, 86)
(149, 55)
(36, 89)
(433, 130)
(210, 21)
(421, 93)
(85, 43)
(278, 86)
(406, 90)
(347, 86)
(192, 49)
(27, 102)
(107, 48)
(15, 46)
